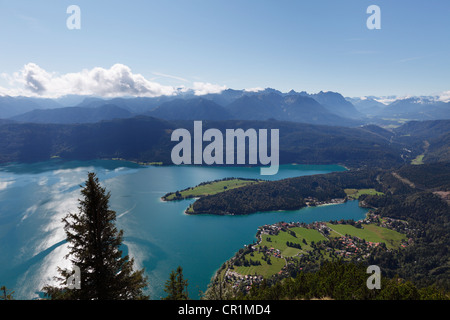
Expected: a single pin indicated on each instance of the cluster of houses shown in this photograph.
(395, 224)
(313, 202)
(274, 229)
(244, 281)
(274, 252)
(349, 246)
(390, 223)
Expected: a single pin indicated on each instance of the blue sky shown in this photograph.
(302, 45)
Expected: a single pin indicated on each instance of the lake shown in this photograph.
(158, 235)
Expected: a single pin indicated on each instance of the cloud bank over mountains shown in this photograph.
(120, 81)
(117, 81)
(445, 96)
(442, 97)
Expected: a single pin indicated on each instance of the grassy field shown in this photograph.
(418, 160)
(209, 188)
(279, 241)
(371, 232)
(265, 269)
(356, 193)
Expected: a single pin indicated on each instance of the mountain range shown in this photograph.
(405, 109)
(73, 114)
(327, 108)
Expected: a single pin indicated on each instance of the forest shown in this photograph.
(341, 281)
(427, 262)
(286, 194)
(148, 139)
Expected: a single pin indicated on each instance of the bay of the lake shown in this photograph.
(158, 235)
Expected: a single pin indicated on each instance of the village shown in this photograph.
(306, 252)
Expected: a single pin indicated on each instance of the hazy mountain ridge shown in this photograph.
(74, 114)
(229, 104)
(328, 108)
(190, 109)
(337, 104)
(410, 108)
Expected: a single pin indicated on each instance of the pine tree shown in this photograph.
(176, 286)
(94, 244)
(6, 294)
(171, 286)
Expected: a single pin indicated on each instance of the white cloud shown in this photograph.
(118, 80)
(385, 100)
(444, 96)
(257, 89)
(202, 88)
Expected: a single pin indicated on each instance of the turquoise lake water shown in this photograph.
(158, 235)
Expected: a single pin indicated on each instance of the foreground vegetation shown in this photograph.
(341, 281)
(94, 244)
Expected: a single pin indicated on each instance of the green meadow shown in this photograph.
(418, 160)
(279, 241)
(265, 269)
(370, 232)
(208, 189)
(356, 193)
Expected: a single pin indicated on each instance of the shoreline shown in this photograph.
(341, 201)
(162, 164)
(330, 203)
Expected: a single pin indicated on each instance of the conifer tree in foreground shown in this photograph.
(6, 294)
(94, 243)
(176, 286)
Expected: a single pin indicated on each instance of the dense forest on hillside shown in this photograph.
(430, 138)
(341, 281)
(147, 139)
(428, 176)
(427, 262)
